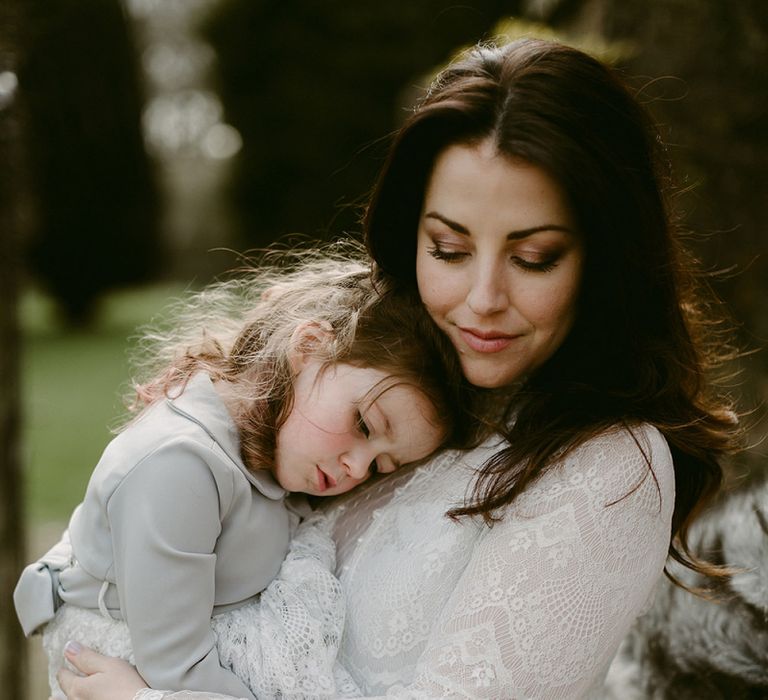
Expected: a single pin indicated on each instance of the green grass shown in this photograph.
(72, 385)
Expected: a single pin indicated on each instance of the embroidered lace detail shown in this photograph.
(149, 694)
(285, 644)
(532, 607)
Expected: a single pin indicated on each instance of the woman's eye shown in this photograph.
(535, 265)
(446, 255)
(361, 426)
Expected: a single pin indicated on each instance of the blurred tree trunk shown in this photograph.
(313, 86)
(94, 227)
(12, 647)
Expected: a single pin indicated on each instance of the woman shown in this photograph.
(524, 200)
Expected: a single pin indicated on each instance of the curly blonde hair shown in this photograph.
(240, 331)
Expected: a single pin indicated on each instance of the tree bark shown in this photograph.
(12, 647)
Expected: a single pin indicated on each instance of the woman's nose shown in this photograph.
(488, 293)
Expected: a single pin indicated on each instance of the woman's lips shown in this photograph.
(486, 341)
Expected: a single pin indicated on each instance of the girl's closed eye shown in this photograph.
(362, 426)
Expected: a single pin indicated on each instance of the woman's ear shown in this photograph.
(306, 341)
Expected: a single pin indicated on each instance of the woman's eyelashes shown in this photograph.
(531, 264)
(536, 264)
(446, 255)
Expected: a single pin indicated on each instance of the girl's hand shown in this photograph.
(104, 678)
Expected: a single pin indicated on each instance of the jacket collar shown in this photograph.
(200, 403)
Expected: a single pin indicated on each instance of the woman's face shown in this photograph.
(498, 262)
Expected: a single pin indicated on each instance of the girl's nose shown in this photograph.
(488, 292)
(357, 462)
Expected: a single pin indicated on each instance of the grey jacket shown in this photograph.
(173, 529)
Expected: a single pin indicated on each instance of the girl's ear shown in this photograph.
(306, 341)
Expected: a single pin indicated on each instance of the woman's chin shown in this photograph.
(485, 375)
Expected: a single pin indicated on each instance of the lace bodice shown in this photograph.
(533, 607)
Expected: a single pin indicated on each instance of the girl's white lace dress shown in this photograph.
(534, 607)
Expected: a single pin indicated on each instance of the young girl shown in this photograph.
(308, 382)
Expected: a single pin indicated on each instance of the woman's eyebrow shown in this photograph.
(512, 236)
(459, 228)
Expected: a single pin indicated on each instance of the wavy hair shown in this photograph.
(644, 347)
(240, 331)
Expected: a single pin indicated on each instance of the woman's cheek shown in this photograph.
(437, 285)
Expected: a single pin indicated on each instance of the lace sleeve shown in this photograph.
(149, 694)
(551, 590)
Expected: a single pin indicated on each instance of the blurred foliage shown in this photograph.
(717, 121)
(313, 87)
(611, 52)
(73, 385)
(701, 71)
(92, 226)
(700, 67)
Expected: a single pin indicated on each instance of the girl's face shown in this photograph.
(347, 423)
(498, 262)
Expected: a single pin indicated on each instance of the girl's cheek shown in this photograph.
(334, 440)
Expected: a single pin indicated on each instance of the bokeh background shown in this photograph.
(145, 144)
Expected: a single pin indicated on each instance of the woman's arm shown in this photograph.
(549, 592)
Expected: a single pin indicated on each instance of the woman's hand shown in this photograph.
(104, 678)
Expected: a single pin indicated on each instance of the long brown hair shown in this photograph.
(641, 349)
(240, 331)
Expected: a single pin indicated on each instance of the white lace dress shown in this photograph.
(534, 607)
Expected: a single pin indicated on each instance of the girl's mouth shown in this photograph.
(324, 481)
